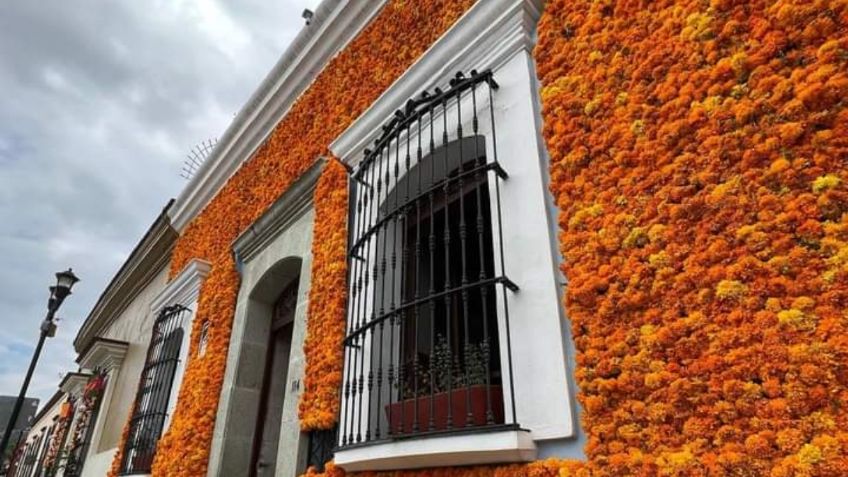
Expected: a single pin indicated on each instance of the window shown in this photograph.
(204, 339)
(425, 352)
(154, 392)
(320, 448)
(30, 455)
(44, 445)
(92, 398)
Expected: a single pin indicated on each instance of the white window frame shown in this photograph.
(107, 355)
(183, 290)
(496, 35)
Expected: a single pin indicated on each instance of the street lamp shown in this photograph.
(64, 282)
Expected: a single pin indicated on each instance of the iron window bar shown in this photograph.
(154, 391)
(45, 447)
(425, 267)
(320, 448)
(29, 457)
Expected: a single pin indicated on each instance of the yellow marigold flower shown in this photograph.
(773, 305)
(697, 27)
(712, 103)
(820, 421)
(637, 127)
(839, 258)
(829, 276)
(730, 289)
(796, 318)
(803, 303)
(829, 445)
(659, 260)
(672, 462)
(595, 56)
(629, 431)
(621, 99)
(655, 232)
(739, 61)
(825, 182)
(636, 238)
(809, 454)
(653, 380)
(738, 92)
(725, 188)
(591, 107)
(745, 230)
(579, 217)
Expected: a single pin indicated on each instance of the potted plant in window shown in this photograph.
(462, 390)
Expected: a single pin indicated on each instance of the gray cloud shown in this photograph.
(100, 102)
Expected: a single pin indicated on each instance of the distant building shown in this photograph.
(24, 418)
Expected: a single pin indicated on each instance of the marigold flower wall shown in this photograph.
(353, 80)
(699, 158)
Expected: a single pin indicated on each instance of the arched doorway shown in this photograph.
(266, 360)
(273, 391)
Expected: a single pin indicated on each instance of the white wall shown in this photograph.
(134, 326)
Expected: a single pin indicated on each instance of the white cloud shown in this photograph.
(101, 101)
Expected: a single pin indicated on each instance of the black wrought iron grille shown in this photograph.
(427, 346)
(45, 445)
(30, 456)
(151, 403)
(321, 446)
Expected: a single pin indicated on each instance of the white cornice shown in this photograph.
(184, 288)
(334, 24)
(104, 354)
(74, 383)
(488, 35)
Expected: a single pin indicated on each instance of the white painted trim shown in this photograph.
(184, 288)
(486, 37)
(104, 354)
(334, 25)
(74, 384)
(443, 451)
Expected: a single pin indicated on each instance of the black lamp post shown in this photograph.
(64, 282)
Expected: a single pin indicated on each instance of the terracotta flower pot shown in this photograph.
(404, 411)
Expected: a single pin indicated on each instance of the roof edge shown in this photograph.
(149, 256)
(334, 24)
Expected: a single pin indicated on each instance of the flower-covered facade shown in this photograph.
(684, 166)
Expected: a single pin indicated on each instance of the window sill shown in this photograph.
(496, 447)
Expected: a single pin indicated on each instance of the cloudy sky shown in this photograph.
(100, 100)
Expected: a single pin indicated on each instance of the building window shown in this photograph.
(427, 345)
(44, 445)
(30, 456)
(320, 448)
(92, 398)
(154, 392)
(204, 339)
